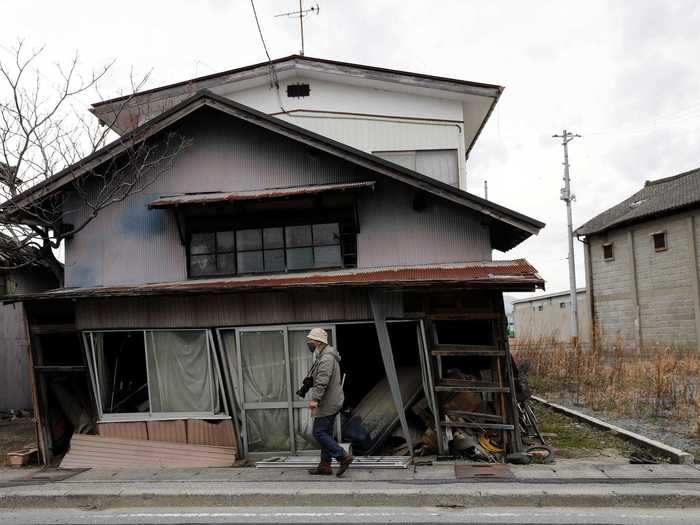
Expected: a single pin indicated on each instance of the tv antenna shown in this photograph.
(301, 13)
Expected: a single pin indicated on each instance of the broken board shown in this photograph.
(87, 451)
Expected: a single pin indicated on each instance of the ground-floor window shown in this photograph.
(270, 365)
(139, 374)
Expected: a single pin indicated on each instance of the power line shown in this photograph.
(273, 74)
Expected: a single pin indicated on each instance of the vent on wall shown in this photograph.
(298, 90)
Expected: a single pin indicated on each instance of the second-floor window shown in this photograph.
(266, 250)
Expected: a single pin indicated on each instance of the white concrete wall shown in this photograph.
(553, 321)
(365, 118)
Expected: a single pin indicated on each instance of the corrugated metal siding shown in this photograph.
(127, 243)
(15, 384)
(439, 164)
(170, 431)
(124, 430)
(220, 433)
(393, 233)
(98, 451)
(298, 306)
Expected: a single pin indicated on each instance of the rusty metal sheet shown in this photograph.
(274, 193)
(126, 430)
(170, 431)
(218, 433)
(98, 451)
(500, 275)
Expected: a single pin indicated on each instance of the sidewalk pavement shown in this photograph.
(448, 485)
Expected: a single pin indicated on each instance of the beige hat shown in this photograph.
(318, 334)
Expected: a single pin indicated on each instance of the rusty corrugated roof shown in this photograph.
(517, 275)
(170, 201)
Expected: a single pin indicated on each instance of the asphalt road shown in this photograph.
(352, 515)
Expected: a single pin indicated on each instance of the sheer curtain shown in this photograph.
(301, 361)
(180, 372)
(264, 367)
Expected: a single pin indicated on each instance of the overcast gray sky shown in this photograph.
(624, 74)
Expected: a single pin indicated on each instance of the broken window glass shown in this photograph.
(120, 362)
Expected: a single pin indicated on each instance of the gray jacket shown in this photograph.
(327, 389)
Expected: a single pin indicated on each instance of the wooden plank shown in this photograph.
(52, 329)
(485, 426)
(467, 350)
(98, 451)
(470, 386)
(466, 316)
(474, 415)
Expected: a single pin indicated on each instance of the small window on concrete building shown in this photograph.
(660, 244)
(540, 308)
(562, 305)
(608, 253)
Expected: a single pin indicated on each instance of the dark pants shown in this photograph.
(323, 432)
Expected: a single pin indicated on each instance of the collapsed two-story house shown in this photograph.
(312, 194)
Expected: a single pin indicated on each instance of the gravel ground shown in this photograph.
(675, 433)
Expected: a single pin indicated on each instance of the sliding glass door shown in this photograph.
(271, 363)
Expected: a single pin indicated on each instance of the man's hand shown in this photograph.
(313, 404)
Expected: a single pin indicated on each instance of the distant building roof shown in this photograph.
(535, 298)
(657, 198)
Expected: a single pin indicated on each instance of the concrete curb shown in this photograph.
(674, 454)
(678, 495)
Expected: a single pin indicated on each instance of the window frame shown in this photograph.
(292, 402)
(215, 230)
(611, 246)
(664, 236)
(212, 366)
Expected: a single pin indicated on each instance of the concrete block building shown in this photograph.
(641, 260)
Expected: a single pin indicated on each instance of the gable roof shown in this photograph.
(657, 198)
(287, 67)
(508, 227)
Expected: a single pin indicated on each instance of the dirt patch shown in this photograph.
(14, 435)
(577, 440)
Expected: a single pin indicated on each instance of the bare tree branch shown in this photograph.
(43, 130)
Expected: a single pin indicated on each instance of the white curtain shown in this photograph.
(301, 361)
(264, 367)
(180, 372)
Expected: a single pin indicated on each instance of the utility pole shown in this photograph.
(301, 13)
(568, 197)
(486, 190)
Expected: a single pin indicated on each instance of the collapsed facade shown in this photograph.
(186, 305)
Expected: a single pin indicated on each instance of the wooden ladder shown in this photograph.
(502, 385)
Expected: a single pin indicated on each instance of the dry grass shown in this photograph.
(655, 382)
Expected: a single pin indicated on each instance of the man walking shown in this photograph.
(326, 401)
